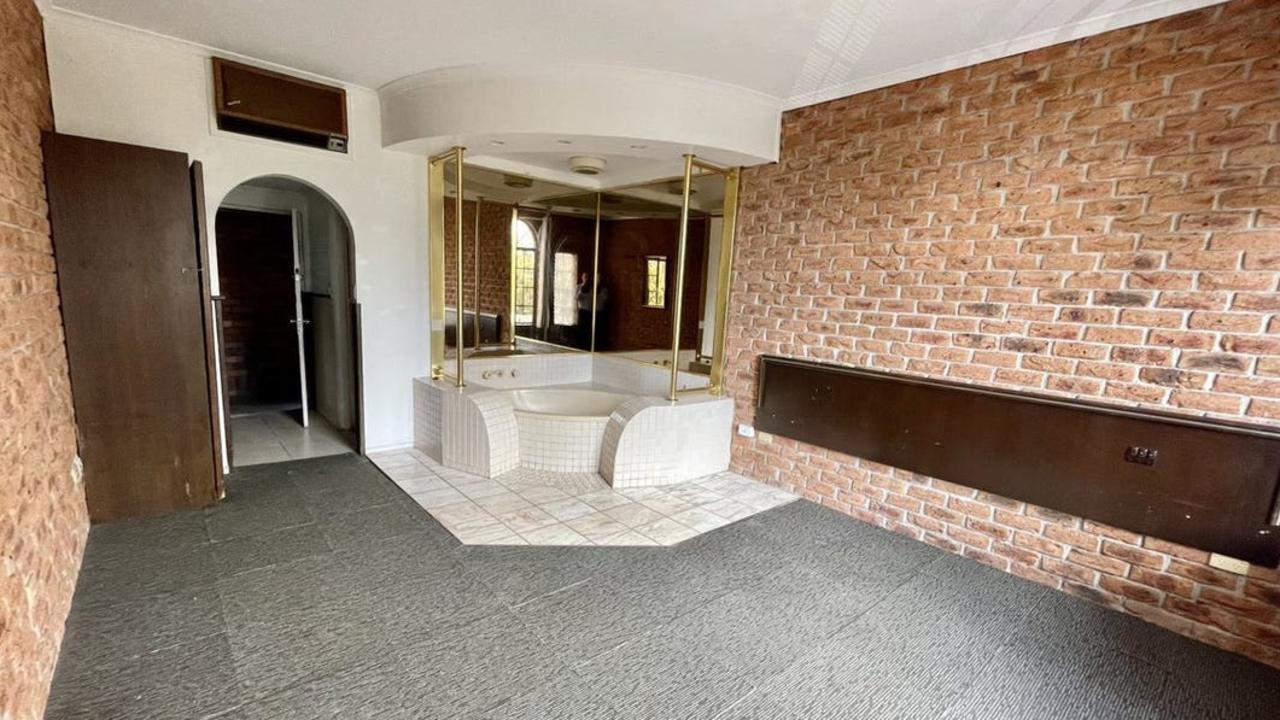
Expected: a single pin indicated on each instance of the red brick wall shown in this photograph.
(495, 258)
(43, 522)
(1100, 218)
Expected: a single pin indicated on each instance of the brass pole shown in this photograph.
(476, 253)
(458, 334)
(511, 275)
(435, 263)
(595, 277)
(719, 358)
(679, 300)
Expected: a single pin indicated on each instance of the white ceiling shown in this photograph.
(799, 51)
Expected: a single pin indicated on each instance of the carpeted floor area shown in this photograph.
(319, 590)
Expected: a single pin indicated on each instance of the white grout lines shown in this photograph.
(532, 507)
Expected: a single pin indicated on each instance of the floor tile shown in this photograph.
(472, 668)
(793, 613)
(107, 631)
(554, 534)
(251, 552)
(633, 515)
(191, 680)
(294, 622)
(567, 509)
(596, 526)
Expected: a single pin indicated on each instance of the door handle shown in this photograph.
(295, 322)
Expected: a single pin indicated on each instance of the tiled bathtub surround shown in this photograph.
(645, 441)
(530, 507)
(560, 444)
(649, 441)
(1099, 218)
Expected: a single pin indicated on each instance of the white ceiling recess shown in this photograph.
(735, 60)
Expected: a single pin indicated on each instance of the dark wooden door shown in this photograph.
(255, 280)
(129, 278)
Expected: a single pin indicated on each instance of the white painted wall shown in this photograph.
(126, 85)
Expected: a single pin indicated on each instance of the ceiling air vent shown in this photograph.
(587, 164)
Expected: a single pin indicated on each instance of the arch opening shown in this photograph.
(288, 321)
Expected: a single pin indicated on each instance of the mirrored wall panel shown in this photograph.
(529, 266)
(524, 265)
(640, 267)
(554, 249)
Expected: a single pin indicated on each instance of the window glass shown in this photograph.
(655, 281)
(565, 307)
(526, 273)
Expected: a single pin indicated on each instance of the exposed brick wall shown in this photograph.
(495, 258)
(43, 522)
(1099, 218)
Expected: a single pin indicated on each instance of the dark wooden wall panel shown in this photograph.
(1212, 485)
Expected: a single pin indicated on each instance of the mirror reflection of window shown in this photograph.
(565, 304)
(655, 281)
(526, 273)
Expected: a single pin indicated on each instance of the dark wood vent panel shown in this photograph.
(268, 104)
(1207, 484)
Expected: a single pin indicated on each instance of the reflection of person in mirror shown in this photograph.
(585, 317)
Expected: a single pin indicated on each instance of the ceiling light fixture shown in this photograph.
(587, 164)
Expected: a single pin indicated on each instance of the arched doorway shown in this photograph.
(288, 323)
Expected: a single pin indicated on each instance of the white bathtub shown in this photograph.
(562, 430)
(567, 403)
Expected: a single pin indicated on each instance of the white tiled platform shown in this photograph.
(531, 507)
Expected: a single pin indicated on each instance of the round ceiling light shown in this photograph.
(587, 164)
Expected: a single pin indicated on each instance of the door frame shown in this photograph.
(355, 309)
(299, 319)
(295, 230)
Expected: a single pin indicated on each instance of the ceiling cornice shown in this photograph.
(72, 17)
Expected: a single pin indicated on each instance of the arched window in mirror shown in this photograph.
(525, 268)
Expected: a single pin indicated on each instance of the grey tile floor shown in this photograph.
(319, 590)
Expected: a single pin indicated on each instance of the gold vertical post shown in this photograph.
(511, 275)
(595, 277)
(458, 335)
(476, 270)
(679, 299)
(435, 263)
(719, 360)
